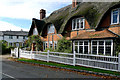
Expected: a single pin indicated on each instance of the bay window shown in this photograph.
(81, 46)
(102, 47)
(97, 47)
(115, 16)
(78, 23)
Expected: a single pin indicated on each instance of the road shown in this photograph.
(15, 71)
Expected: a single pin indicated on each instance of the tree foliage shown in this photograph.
(4, 48)
(64, 45)
(117, 47)
(34, 39)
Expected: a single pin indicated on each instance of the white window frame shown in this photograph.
(117, 17)
(50, 42)
(44, 44)
(75, 19)
(55, 42)
(83, 45)
(104, 46)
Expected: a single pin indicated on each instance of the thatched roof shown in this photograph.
(38, 24)
(91, 11)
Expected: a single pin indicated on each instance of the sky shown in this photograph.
(17, 14)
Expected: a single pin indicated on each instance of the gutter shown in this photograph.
(114, 33)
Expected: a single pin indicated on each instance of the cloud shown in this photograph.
(7, 26)
(28, 9)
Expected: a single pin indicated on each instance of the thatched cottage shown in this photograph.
(93, 27)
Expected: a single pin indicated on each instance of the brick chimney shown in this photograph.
(42, 14)
(74, 3)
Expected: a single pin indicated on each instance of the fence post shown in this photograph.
(119, 62)
(11, 53)
(74, 58)
(48, 56)
(31, 54)
(17, 52)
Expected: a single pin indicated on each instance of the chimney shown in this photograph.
(74, 3)
(42, 14)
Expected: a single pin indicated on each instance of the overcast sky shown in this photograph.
(18, 14)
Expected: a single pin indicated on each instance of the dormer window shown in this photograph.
(51, 28)
(78, 23)
(35, 32)
(115, 16)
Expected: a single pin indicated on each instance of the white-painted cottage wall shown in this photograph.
(1, 37)
(20, 39)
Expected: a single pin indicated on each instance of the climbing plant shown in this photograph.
(34, 39)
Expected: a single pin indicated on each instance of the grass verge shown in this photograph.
(70, 66)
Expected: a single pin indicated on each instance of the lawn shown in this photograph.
(70, 66)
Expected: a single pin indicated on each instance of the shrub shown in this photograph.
(64, 45)
(50, 49)
(4, 49)
(34, 39)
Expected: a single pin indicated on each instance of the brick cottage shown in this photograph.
(93, 27)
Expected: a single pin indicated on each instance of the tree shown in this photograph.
(34, 39)
(4, 48)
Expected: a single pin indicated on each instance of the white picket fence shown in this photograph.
(88, 60)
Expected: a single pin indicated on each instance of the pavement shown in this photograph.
(16, 71)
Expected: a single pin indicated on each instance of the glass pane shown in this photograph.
(101, 50)
(108, 51)
(94, 42)
(85, 49)
(94, 50)
(85, 42)
(80, 42)
(107, 42)
(80, 49)
(82, 24)
(76, 49)
(101, 42)
(115, 15)
(76, 42)
(78, 20)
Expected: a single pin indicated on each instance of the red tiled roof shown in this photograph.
(115, 30)
(95, 34)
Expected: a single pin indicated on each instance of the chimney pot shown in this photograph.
(75, 3)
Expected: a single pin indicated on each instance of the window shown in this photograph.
(23, 37)
(102, 47)
(10, 44)
(45, 45)
(115, 16)
(17, 37)
(51, 28)
(50, 44)
(81, 46)
(55, 45)
(10, 37)
(78, 23)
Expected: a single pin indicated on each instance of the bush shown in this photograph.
(64, 45)
(50, 49)
(5, 49)
(34, 39)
